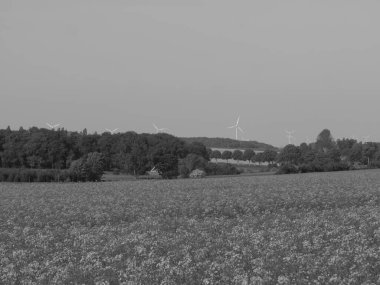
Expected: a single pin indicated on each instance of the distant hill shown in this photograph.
(229, 143)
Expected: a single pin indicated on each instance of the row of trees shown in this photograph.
(88, 168)
(228, 143)
(327, 154)
(249, 155)
(130, 152)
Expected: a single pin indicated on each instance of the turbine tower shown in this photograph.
(290, 135)
(112, 131)
(159, 130)
(52, 127)
(236, 127)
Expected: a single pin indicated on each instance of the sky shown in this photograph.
(193, 66)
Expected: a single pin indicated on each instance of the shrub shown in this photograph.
(33, 175)
(287, 169)
(189, 163)
(221, 169)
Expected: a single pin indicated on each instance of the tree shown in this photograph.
(269, 155)
(248, 155)
(334, 154)
(168, 166)
(356, 153)
(259, 157)
(325, 141)
(198, 148)
(216, 154)
(237, 155)
(209, 152)
(290, 154)
(191, 162)
(138, 158)
(369, 151)
(227, 155)
(77, 170)
(94, 166)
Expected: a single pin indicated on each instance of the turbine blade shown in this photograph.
(240, 129)
(231, 127)
(237, 122)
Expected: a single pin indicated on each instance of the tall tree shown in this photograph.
(269, 155)
(237, 155)
(248, 155)
(226, 155)
(290, 154)
(216, 154)
(325, 141)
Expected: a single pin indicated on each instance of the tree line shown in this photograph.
(86, 155)
(325, 154)
(229, 143)
(269, 155)
(328, 154)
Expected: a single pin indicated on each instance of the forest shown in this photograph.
(328, 154)
(39, 154)
(86, 156)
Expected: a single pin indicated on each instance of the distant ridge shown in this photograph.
(229, 143)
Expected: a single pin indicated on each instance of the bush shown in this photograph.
(33, 175)
(287, 169)
(221, 169)
(189, 163)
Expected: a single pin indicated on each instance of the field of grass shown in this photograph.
(292, 229)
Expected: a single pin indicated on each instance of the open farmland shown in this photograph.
(290, 229)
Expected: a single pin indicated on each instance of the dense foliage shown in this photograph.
(129, 152)
(33, 175)
(299, 229)
(326, 154)
(229, 143)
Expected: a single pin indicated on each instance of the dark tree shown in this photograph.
(94, 166)
(216, 154)
(290, 154)
(168, 166)
(227, 155)
(269, 155)
(259, 158)
(237, 155)
(248, 155)
(356, 153)
(325, 141)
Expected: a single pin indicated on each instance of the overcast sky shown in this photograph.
(193, 66)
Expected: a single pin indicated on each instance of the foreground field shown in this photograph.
(296, 229)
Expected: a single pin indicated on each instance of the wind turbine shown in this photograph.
(290, 136)
(236, 127)
(112, 131)
(158, 130)
(52, 127)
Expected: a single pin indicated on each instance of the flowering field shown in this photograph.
(291, 229)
